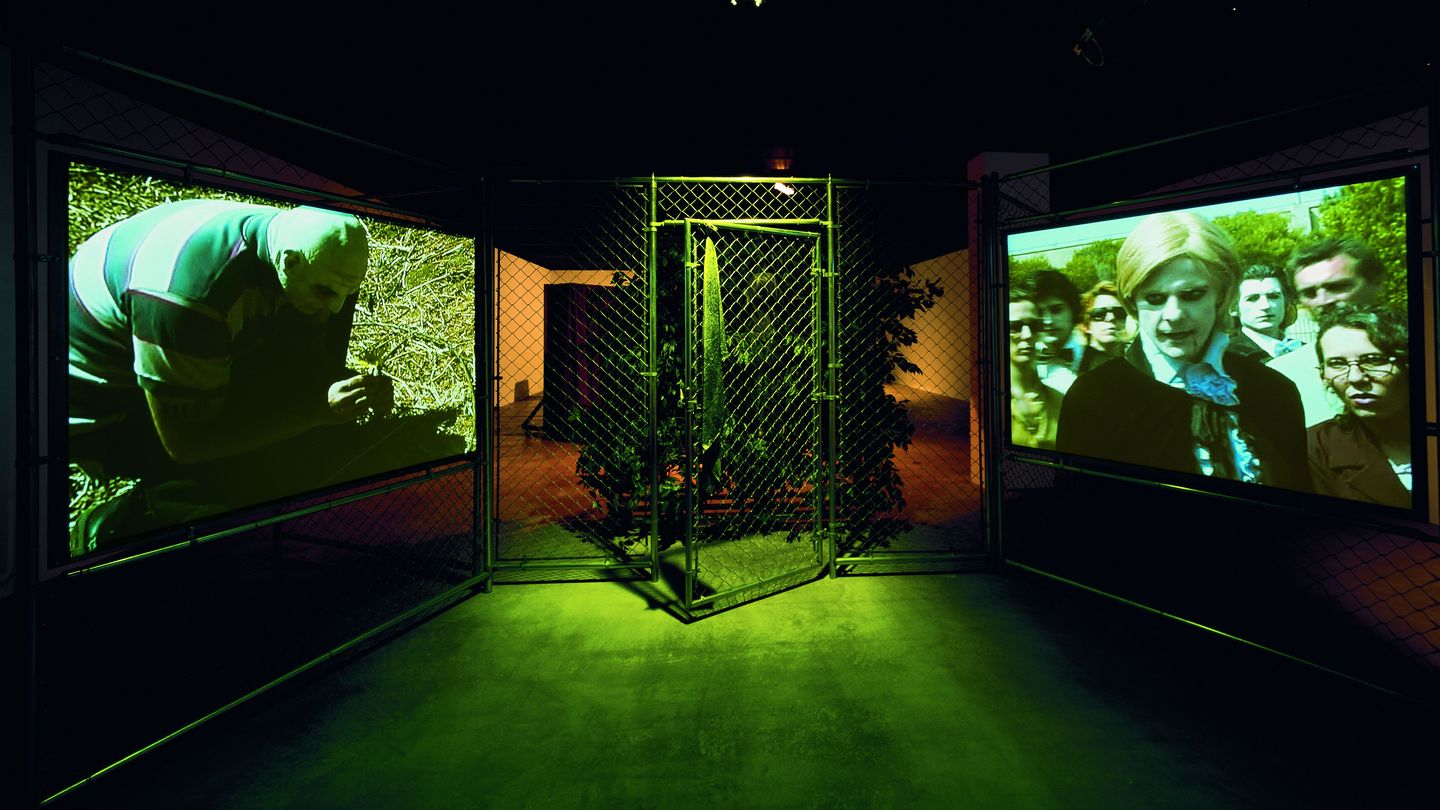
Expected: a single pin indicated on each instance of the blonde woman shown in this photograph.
(1180, 401)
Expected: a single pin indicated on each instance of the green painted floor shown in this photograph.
(914, 691)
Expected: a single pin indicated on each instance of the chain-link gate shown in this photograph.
(756, 387)
(726, 383)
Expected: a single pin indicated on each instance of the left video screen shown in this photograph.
(227, 350)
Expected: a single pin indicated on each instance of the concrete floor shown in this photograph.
(916, 691)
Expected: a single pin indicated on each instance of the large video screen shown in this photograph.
(228, 350)
(1265, 341)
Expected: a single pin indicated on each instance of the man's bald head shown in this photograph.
(321, 257)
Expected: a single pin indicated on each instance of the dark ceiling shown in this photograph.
(893, 89)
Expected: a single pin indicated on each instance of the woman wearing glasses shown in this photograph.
(1034, 406)
(1179, 401)
(1364, 453)
(1103, 326)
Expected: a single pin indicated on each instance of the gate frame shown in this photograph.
(823, 393)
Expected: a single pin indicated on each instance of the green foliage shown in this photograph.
(1093, 263)
(768, 477)
(1024, 268)
(1261, 237)
(870, 497)
(1374, 213)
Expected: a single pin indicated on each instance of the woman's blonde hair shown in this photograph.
(1161, 238)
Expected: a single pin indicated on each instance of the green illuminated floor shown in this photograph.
(933, 691)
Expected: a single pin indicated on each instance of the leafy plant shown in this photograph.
(763, 477)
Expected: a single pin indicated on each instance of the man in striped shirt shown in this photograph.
(197, 334)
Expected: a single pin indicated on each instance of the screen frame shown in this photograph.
(55, 366)
(1417, 511)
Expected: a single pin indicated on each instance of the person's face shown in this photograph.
(1262, 305)
(311, 290)
(1336, 279)
(1109, 329)
(1024, 332)
(1379, 392)
(1176, 308)
(1058, 322)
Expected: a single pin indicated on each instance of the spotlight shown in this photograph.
(785, 188)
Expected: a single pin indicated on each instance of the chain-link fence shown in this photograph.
(194, 593)
(1358, 592)
(908, 346)
(718, 348)
(572, 421)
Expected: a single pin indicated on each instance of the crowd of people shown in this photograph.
(1187, 361)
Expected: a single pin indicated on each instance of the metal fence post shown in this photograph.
(992, 275)
(485, 325)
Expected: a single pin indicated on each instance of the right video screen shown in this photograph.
(1265, 340)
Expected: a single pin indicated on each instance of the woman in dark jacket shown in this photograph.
(1364, 453)
(1180, 401)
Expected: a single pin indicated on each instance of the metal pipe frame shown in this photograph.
(821, 409)
(1273, 178)
(749, 586)
(613, 563)
(995, 386)
(195, 539)
(191, 168)
(1433, 88)
(335, 656)
(832, 387)
(739, 224)
(687, 397)
(244, 105)
(484, 506)
(1216, 631)
(1196, 133)
(917, 558)
(21, 785)
(652, 373)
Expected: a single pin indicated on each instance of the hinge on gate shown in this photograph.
(649, 374)
(47, 258)
(820, 272)
(820, 396)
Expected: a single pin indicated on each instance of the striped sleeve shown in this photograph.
(181, 347)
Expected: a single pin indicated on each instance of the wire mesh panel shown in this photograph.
(717, 199)
(85, 111)
(572, 419)
(909, 480)
(753, 395)
(131, 654)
